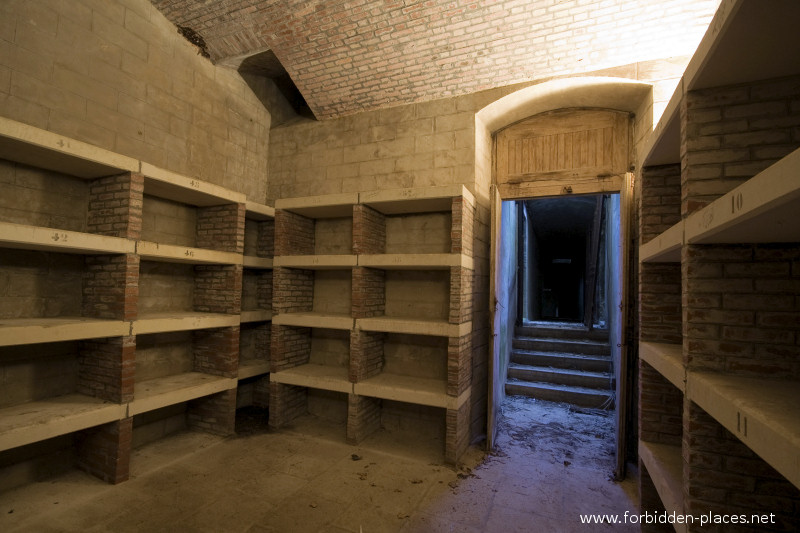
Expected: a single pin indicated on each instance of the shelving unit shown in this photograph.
(131, 219)
(405, 243)
(718, 288)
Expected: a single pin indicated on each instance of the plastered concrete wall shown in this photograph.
(118, 75)
(165, 287)
(328, 405)
(153, 425)
(427, 233)
(415, 355)
(168, 222)
(36, 462)
(42, 198)
(163, 354)
(330, 347)
(39, 284)
(332, 291)
(418, 294)
(33, 374)
(333, 236)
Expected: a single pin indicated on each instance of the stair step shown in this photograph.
(579, 396)
(586, 363)
(563, 331)
(584, 347)
(561, 376)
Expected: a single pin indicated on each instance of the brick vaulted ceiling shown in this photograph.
(347, 56)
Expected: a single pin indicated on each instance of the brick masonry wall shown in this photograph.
(369, 230)
(291, 347)
(106, 368)
(294, 234)
(460, 295)
(660, 312)
(457, 432)
(363, 417)
(286, 403)
(261, 392)
(216, 351)
(221, 227)
(461, 236)
(119, 76)
(115, 206)
(366, 354)
(218, 289)
(660, 200)
(104, 451)
(111, 286)
(369, 292)
(265, 246)
(459, 364)
(213, 414)
(730, 134)
(264, 290)
(742, 309)
(346, 58)
(723, 476)
(660, 408)
(293, 290)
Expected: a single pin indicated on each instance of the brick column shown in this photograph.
(369, 230)
(363, 417)
(265, 245)
(221, 227)
(291, 347)
(115, 205)
(369, 292)
(660, 317)
(460, 295)
(294, 234)
(111, 286)
(293, 290)
(660, 200)
(286, 402)
(105, 451)
(660, 408)
(218, 289)
(261, 392)
(216, 351)
(461, 233)
(106, 368)
(264, 290)
(456, 433)
(366, 354)
(459, 364)
(215, 413)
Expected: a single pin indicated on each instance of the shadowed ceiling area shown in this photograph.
(345, 57)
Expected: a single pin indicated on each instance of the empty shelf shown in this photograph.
(760, 412)
(170, 253)
(256, 315)
(316, 262)
(437, 328)
(325, 206)
(252, 368)
(762, 209)
(36, 330)
(55, 240)
(667, 359)
(314, 320)
(165, 322)
(409, 389)
(323, 377)
(415, 261)
(418, 200)
(36, 421)
(666, 248)
(664, 463)
(178, 188)
(251, 261)
(162, 392)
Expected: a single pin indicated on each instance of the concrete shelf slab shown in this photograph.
(415, 261)
(326, 206)
(314, 320)
(762, 413)
(667, 359)
(179, 188)
(665, 248)
(170, 390)
(256, 211)
(255, 315)
(167, 322)
(21, 236)
(436, 328)
(763, 209)
(664, 463)
(316, 262)
(44, 419)
(253, 368)
(316, 377)
(16, 331)
(409, 389)
(417, 200)
(153, 251)
(255, 262)
(44, 149)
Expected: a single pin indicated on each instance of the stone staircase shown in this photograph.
(561, 362)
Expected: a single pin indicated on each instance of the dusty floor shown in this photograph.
(551, 465)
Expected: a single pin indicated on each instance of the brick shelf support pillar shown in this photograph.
(462, 233)
(105, 451)
(459, 364)
(214, 414)
(363, 417)
(294, 234)
(115, 206)
(369, 230)
(456, 433)
(221, 227)
(286, 402)
(106, 368)
(216, 351)
(461, 286)
(369, 292)
(366, 354)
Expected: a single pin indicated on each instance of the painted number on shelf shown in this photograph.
(737, 201)
(194, 183)
(60, 237)
(189, 253)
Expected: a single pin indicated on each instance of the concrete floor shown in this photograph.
(551, 464)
